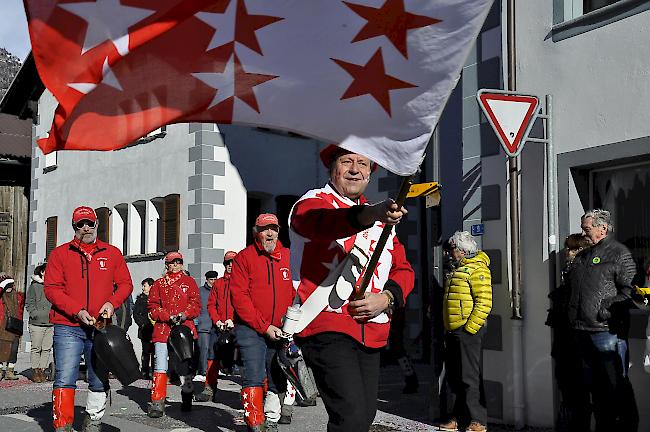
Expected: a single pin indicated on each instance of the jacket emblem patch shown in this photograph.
(285, 273)
(102, 263)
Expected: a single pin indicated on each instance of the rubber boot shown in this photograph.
(96, 403)
(62, 409)
(186, 401)
(253, 402)
(158, 393)
(10, 374)
(90, 425)
(212, 378)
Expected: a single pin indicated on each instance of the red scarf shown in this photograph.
(86, 248)
(276, 254)
(171, 278)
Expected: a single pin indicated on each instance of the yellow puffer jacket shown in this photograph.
(468, 294)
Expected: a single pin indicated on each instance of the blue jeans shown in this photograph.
(206, 350)
(69, 344)
(604, 364)
(258, 354)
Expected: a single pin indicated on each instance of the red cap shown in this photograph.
(266, 219)
(332, 151)
(83, 213)
(229, 256)
(171, 256)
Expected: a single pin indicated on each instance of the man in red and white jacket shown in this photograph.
(86, 279)
(261, 290)
(342, 343)
(174, 299)
(221, 312)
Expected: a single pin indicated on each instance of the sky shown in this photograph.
(13, 28)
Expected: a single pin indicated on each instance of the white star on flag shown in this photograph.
(107, 20)
(223, 82)
(245, 404)
(108, 79)
(332, 265)
(245, 396)
(246, 414)
(224, 25)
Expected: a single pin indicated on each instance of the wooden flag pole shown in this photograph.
(374, 259)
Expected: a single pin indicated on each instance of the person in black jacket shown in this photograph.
(600, 292)
(145, 327)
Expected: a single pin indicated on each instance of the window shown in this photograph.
(623, 191)
(50, 234)
(168, 232)
(592, 5)
(103, 227)
(50, 162)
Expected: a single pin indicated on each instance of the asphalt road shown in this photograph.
(26, 407)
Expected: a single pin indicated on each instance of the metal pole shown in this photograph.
(519, 396)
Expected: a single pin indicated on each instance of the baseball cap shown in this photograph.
(171, 256)
(266, 219)
(83, 213)
(332, 151)
(229, 256)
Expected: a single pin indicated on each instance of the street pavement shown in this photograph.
(26, 407)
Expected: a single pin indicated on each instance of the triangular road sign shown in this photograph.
(511, 115)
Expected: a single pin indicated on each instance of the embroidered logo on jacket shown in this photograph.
(285, 273)
(102, 263)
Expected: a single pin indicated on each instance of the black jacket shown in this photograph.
(600, 285)
(141, 317)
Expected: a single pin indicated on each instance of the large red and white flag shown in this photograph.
(371, 75)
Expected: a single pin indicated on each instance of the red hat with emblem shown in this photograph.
(332, 151)
(229, 256)
(83, 213)
(266, 219)
(171, 256)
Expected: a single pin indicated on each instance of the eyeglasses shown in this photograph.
(85, 222)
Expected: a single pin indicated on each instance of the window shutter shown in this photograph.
(103, 230)
(50, 234)
(171, 222)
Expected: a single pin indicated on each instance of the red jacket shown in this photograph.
(322, 231)
(261, 287)
(220, 302)
(171, 295)
(75, 281)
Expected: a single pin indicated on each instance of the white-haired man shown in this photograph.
(600, 287)
(466, 305)
(343, 341)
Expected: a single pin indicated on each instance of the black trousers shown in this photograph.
(347, 376)
(464, 364)
(147, 358)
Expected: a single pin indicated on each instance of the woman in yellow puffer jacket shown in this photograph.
(466, 305)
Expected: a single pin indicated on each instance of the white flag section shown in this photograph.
(370, 75)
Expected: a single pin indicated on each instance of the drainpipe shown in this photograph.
(519, 397)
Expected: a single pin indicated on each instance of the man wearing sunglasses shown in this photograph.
(87, 279)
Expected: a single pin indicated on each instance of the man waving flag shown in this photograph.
(370, 75)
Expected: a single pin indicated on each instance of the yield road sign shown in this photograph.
(511, 115)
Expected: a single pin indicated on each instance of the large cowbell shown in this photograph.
(181, 340)
(114, 349)
(296, 370)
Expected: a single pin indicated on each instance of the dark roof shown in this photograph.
(15, 137)
(25, 90)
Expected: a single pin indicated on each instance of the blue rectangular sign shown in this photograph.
(478, 230)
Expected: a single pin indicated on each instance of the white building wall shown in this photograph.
(600, 88)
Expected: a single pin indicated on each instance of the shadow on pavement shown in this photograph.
(141, 396)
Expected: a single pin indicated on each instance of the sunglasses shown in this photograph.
(176, 261)
(84, 222)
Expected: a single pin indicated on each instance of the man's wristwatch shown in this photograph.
(391, 300)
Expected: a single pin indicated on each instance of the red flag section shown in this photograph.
(371, 75)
